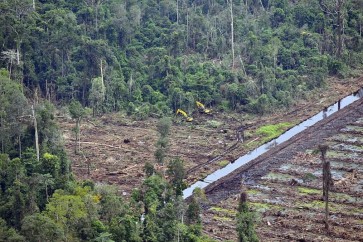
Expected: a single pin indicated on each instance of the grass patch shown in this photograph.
(203, 175)
(309, 177)
(253, 192)
(305, 190)
(213, 124)
(224, 211)
(262, 207)
(269, 132)
(278, 176)
(317, 204)
(341, 154)
(334, 207)
(342, 197)
(357, 210)
(224, 219)
(223, 163)
(252, 145)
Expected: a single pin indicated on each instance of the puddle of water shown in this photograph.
(265, 147)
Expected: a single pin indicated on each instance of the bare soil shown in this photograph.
(115, 149)
(285, 186)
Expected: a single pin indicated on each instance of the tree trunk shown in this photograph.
(337, 12)
(2, 136)
(36, 133)
(326, 182)
(10, 68)
(243, 66)
(47, 96)
(101, 67)
(232, 32)
(96, 22)
(187, 44)
(340, 26)
(19, 141)
(177, 11)
(262, 5)
(18, 53)
(46, 192)
(78, 143)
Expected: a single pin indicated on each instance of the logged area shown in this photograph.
(115, 148)
(285, 186)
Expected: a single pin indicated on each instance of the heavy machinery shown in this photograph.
(179, 111)
(202, 107)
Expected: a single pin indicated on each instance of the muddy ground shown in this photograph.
(115, 147)
(284, 186)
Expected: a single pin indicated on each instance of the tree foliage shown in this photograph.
(158, 56)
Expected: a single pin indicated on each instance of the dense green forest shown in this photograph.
(145, 58)
(156, 56)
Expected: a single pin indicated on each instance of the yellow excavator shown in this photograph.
(179, 111)
(202, 107)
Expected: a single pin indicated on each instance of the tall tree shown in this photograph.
(245, 221)
(77, 113)
(162, 144)
(337, 10)
(177, 173)
(12, 111)
(97, 95)
(327, 182)
(232, 30)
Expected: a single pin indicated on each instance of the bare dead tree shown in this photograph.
(327, 181)
(232, 31)
(36, 133)
(10, 56)
(95, 4)
(336, 10)
(262, 5)
(177, 11)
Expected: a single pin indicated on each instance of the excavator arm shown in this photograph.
(179, 111)
(202, 107)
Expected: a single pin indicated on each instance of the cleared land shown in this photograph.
(115, 149)
(285, 186)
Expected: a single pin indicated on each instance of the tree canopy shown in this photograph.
(157, 56)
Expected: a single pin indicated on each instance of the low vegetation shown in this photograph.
(269, 132)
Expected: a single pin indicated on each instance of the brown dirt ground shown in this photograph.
(284, 186)
(115, 148)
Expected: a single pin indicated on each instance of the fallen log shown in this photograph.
(110, 146)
